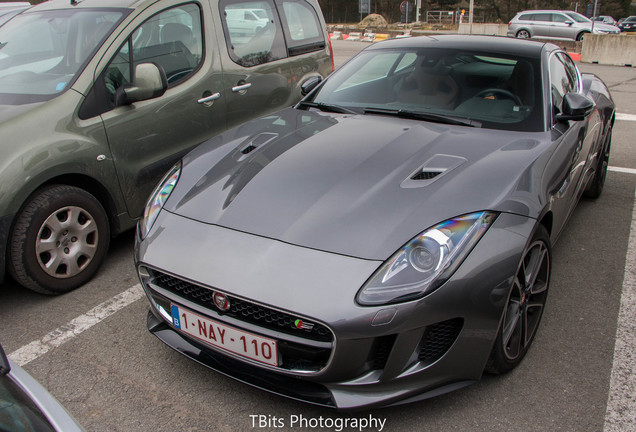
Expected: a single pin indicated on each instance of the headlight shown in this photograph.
(158, 199)
(426, 262)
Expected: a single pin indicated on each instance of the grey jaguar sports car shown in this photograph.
(387, 239)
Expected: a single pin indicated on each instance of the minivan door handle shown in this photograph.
(209, 99)
(241, 88)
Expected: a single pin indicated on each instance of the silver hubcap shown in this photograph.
(66, 242)
(527, 300)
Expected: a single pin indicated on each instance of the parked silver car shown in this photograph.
(27, 406)
(555, 24)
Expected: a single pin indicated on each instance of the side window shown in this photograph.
(570, 69)
(559, 18)
(172, 39)
(253, 31)
(543, 17)
(302, 26)
(561, 82)
(526, 17)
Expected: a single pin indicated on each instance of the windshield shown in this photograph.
(578, 17)
(477, 88)
(41, 53)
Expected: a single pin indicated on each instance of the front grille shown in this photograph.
(244, 310)
(438, 338)
(312, 355)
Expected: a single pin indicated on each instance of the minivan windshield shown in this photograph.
(41, 53)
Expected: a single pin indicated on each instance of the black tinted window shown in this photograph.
(543, 17)
(172, 39)
(252, 31)
(302, 26)
(563, 79)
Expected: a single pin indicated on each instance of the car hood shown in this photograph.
(9, 112)
(602, 26)
(349, 184)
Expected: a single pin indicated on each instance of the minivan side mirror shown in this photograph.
(149, 82)
(575, 107)
(309, 84)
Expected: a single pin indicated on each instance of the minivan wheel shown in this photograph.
(524, 308)
(59, 240)
(523, 34)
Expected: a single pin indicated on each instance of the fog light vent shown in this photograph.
(438, 338)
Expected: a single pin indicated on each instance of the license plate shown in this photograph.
(225, 337)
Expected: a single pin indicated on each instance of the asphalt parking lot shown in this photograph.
(92, 350)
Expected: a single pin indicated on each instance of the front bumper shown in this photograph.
(372, 356)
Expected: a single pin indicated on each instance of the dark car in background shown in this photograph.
(99, 98)
(388, 238)
(628, 24)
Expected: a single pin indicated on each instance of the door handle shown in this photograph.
(209, 99)
(241, 88)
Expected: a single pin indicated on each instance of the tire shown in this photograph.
(524, 306)
(595, 187)
(523, 34)
(580, 36)
(59, 240)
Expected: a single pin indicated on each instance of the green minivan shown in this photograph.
(99, 98)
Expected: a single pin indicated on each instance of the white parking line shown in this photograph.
(628, 117)
(622, 170)
(621, 404)
(57, 337)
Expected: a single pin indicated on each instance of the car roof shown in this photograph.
(498, 44)
(548, 11)
(89, 4)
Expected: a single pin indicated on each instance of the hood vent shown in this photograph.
(433, 169)
(248, 149)
(426, 175)
(253, 143)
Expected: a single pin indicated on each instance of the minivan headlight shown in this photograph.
(425, 262)
(158, 199)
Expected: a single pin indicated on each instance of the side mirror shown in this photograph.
(149, 82)
(575, 107)
(309, 84)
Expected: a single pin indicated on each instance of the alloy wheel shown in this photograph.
(527, 300)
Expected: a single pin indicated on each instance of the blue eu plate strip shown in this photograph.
(175, 317)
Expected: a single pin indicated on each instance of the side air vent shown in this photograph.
(432, 170)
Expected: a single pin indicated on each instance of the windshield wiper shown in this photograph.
(327, 107)
(418, 115)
